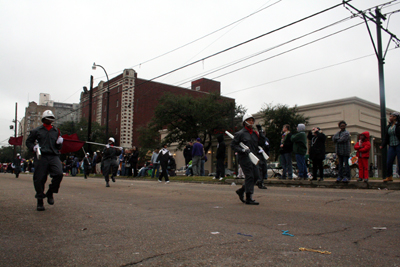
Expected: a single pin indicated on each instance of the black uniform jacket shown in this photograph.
(47, 140)
(317, 146)
(221, 147)
(111, 153)
(250, 140)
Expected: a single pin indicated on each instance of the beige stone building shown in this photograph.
(360, 115)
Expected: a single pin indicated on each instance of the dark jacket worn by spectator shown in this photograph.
(187, 153)
(221, 150)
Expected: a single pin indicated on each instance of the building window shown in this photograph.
(197, 88)
(116, 130)
(117, 103)
(116, 118)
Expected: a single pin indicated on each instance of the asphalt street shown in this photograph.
(146, 223)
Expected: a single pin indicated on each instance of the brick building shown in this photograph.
(63, 112)
(132, 103)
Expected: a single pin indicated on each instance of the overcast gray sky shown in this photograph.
(49, 46)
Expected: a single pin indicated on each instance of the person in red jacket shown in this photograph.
(363, 146)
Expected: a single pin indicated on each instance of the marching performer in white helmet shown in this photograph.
(251, 138)
(110, 154)
(49, 143)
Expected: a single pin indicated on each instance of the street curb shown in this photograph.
(325, 184)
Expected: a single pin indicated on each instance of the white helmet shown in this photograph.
(247, 116)
(111, 139)
(48, 115)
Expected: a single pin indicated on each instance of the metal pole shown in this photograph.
(90, 113)
(15, 129)
(381, 89)
(108, 99)
(108, 106)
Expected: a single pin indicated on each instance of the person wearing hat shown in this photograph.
(49, 142)
(251, 138)
(110, 154)
(317, 152)
(197, 154)
(342, 145)
(299, 141)
(392, 139)
(17, 165)
(87, 165)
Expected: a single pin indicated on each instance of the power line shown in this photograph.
(260, 52)
(211, 33)
(227, 32)
(237, 45)
(198, 39)
(290, 50)
(250, 40)
(303, 73)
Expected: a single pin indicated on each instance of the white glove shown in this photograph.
(35, 148)
(107, 146)
(261, 151)
(121, 148)
(60, 140)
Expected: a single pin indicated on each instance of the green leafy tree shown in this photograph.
(6, 154)
(186, 118)
(274, 118)
(81, 129)
(149, 138)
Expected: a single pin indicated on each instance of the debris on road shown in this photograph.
(314, 250)
(244, 234)
(286, 232)
(379, 228)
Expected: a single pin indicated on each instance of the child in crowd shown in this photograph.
(363, 146)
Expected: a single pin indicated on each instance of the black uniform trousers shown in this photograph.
(48, 164)
(17, 171)
(110, 165)
(164, 171)
(262, 165)
(251, 174)
(220, 168)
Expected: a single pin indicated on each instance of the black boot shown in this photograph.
(107, 184)
(250, 201)
(113, 179)
(261, 185)
(240, 192)
(50, 198)
(40, 206)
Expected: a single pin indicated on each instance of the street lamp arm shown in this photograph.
(94, 68)
(108, 95)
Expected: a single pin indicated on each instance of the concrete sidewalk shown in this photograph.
(327, 183)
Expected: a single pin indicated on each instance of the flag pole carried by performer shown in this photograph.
(72, 144)
(252, 157)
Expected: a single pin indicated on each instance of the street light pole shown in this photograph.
(15, 130)
(108, 96)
